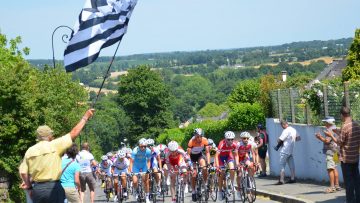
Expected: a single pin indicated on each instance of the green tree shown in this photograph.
(247, 91)
(146, 100)
(245, 116)
(352, 70)
(29, 98)
(212, 110)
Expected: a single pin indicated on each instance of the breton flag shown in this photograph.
(101, 23)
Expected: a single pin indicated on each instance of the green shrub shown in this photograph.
(245, 116)
(168, 135)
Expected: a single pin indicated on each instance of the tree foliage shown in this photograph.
(146, 100)
(245, 116)
(247, 91)
(352, 70)
(29, 98)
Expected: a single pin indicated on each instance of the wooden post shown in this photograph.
(326, 106)
(346, 94)
(279, 104)
(292, 106)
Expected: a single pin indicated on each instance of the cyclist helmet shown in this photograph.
(229, 135)
(109, 154)
(150, 142)
(121, 154)
(260, 126)
(173, 146)
(142, 141)
(128, 150)
(210, 142)
(162, 147)
(104, 157)
(245, 134)
(199, 131)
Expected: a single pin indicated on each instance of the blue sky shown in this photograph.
(188, 25)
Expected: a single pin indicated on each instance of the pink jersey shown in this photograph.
(226, 150)
(243, 150)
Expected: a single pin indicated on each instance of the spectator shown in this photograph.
(86, 161)
(349, 141)
(329, 149)
(262, 148)
(42, 162)
(70, 175)
(287, 143)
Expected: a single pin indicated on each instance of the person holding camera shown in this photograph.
(286, 144)
(329, 149)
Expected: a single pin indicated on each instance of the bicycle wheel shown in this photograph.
(243, 189)
(251, 189)
(230, 192)
(213, 187)
(153, 190)
(120, 194)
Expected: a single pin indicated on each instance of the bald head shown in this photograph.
(85, 146)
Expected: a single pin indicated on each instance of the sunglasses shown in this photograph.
(245, 138)
(142, 146)
(229, 139)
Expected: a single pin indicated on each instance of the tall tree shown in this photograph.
(146, 100)
(29, 98)
(247, 91)
(352, 70)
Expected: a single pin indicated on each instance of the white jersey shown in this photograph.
(121, 166)
(85, 158)
(107, 168)
(153, 160)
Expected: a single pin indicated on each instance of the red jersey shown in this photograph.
(175, 158)
(243, 150)
(226, 150)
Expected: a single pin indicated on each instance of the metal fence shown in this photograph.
(291, 104)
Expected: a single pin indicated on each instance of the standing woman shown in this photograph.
(70, 175)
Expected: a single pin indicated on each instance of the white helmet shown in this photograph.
(162, 147)
(210, 142)
(229, 135)
(142, 141)
(245, 134)
(109, 154)
(104, 157)
(128, 150)
(173, 146)
(150, 142)
(199, 131)
(121, 154)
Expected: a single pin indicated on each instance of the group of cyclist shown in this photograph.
(168, 161)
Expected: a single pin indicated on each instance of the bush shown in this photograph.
(245, 116)
(168, 135)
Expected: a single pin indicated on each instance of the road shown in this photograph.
(100, 197)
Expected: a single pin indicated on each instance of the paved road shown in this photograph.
(100, 197)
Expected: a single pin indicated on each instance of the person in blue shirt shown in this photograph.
(70, 175)
(140, 163)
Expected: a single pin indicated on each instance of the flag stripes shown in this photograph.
(100, 25)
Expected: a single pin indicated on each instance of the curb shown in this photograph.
(281, 198)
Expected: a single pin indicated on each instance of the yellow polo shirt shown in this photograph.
(43, 160)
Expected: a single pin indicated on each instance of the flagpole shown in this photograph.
(105, 76)
(64, 36)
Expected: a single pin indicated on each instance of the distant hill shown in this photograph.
(252, 56)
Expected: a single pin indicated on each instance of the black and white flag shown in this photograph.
(101, 23)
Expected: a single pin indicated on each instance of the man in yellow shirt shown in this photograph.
(42, 163)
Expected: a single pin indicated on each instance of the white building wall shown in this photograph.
(310, 162)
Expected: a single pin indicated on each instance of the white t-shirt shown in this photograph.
(85, 158)
(288, 135)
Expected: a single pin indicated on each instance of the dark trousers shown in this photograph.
(352, 181)
(48, 192)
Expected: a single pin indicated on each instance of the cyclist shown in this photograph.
(155, 162)
(175, 160)
(195, 148)
(163, 150)
(227, 152)
(140, 162)
(120, 168)
(244, 150)
(105, 173)
(110, 156)
(212, 149)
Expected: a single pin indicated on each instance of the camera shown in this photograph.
(277, 147)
